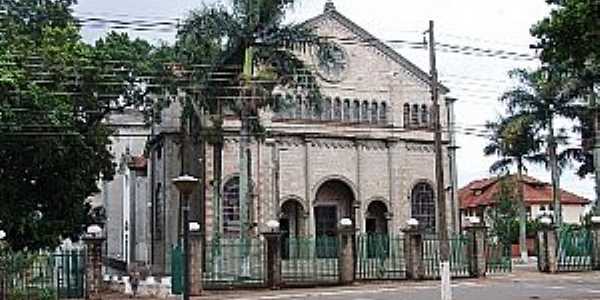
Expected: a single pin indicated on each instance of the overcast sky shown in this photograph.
(476, 81)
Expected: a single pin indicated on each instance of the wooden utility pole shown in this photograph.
(439, 174)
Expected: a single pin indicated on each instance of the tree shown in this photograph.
(505, 213)
(569, 39)
(248, 53)
(515, 141)
(55, 91)
(542, 96)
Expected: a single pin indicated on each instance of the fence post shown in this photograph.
(346, 251)
(547, 246)
(413, 253)
(595, 233)
(195, 247)
(93, 268)
(476, 250)
(273, 263)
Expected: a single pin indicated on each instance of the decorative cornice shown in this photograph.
(421, 148)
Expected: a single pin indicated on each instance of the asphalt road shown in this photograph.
(520, 285)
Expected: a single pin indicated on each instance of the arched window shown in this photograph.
(347, 112)
(423, 205)
(424, 116)
(383, 113)
(231, 207)
(288, 106)
(374, 112)
(364, 116)
(326, 115)
(406, 115)
(337, 109)
(414, 117)
(299, 106)
(356, 111)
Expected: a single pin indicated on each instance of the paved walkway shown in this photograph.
(523, 283)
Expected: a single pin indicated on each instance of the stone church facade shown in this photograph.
(367, 155)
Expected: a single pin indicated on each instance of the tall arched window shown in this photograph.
(231, 207)
(356, 111)
(414, 117)
(424, 116)
(383, 113)
(364, 116)
(423, 205)
(299, 106)
(406, 115)
(347, 112)
(337, 109)
(374, 112)
(326, 115)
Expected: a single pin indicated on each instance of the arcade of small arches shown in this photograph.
(333, 109)
(334, 200)
(351, 111)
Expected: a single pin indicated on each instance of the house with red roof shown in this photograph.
(479, 195)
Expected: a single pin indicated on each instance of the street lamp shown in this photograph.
(186, 184)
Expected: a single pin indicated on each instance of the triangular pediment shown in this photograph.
(364, 37)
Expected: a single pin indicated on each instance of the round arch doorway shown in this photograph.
(376, 218)
(291, 226)
(334, 200)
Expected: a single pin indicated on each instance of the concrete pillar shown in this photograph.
(476, 250)
(413, 253)
(195, 246)
(273, 262)
(595, 234)
(547, 261)
(346, 253)
(93, 267)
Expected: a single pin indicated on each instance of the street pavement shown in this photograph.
(523, 283)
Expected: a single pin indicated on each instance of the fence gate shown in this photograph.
(309, 260)
(43, 275)
(70, 273)
(574, 250)
(459, 260)
(380, 256)
(234, 263)
(498, 255)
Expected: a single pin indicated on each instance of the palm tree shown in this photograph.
(515, 140)
(241, 53)
(542, 96)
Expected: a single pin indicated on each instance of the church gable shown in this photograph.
(366, 56)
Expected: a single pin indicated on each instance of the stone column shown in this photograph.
(476, 250)
(346, 253)
(595, 234)
(195, 246)
(273, 262)
(413, 253)
(93, 267)
(547, 249)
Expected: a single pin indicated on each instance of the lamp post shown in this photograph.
(186, 184)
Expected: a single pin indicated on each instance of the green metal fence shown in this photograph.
(498, 256)
(380, 256)
(459, 260)
(43, 275)
(234, 263)
(574, 250)
(177, 270)
(310, 260)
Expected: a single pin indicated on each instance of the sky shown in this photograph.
(477, 82)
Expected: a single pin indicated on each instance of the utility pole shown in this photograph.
(596, 146)
(446, 291)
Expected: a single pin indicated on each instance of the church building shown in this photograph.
(367, 154)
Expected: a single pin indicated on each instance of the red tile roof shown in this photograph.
(481, 193)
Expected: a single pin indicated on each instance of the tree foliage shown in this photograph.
(55, 91)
